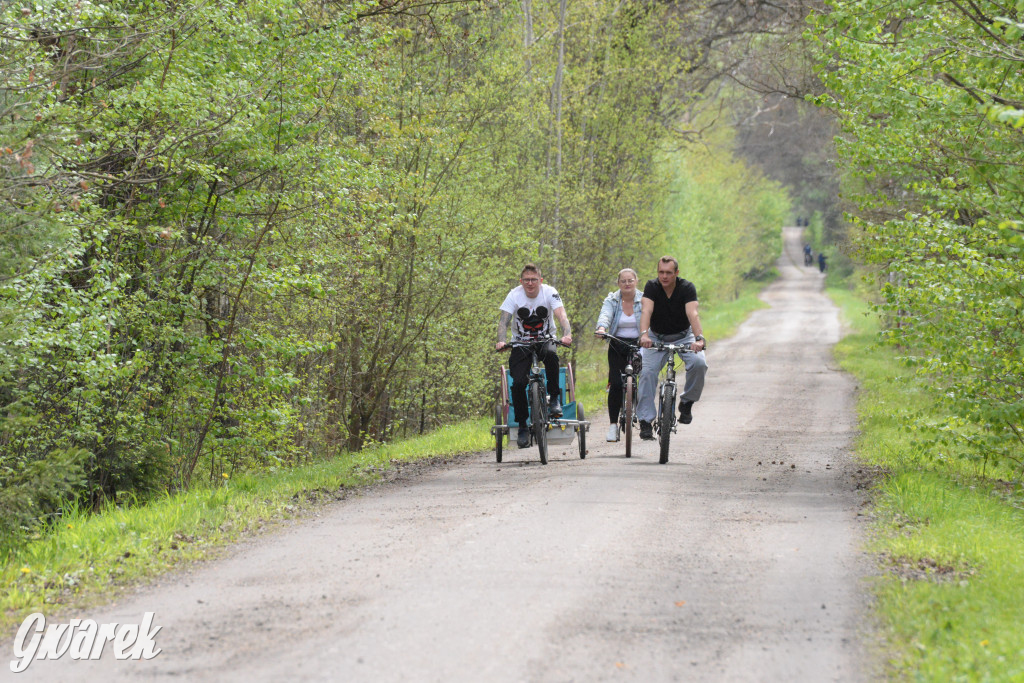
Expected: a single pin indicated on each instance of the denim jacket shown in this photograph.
(611, 310)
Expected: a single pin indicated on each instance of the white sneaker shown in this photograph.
(613, 433)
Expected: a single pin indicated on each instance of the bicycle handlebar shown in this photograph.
(661, 346)
(625, 342)
(523, 344)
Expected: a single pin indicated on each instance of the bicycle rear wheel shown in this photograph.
(538, 413)
(627, 414)
(666, 412)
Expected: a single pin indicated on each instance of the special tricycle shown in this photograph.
(543, 430)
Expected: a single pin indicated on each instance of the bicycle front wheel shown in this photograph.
(666, 412)
(538, 414)
(581, 431)
(499, 435)
(627, 415)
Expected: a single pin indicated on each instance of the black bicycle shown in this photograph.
(666, 422)
(630, 375)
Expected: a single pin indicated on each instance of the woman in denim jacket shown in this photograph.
(620, 316)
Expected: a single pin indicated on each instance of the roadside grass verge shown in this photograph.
(85, 556)
(948, 534)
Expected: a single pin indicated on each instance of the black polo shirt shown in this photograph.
(669, 315)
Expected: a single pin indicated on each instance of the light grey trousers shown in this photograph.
(654, 361)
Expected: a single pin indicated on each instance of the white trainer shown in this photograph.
(613, 433)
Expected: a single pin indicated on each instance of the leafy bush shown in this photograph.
(35, 491)
(933, 160)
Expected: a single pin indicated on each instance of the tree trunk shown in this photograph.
(556, 108)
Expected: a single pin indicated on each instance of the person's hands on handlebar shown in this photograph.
(564, 341)
(645, 341)
(599, 332)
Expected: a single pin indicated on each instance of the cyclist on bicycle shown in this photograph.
(532, 308)
(669, 315)
(620, 316)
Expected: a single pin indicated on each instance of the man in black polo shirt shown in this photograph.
(669, 315)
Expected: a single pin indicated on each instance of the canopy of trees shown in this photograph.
(237, 235)
(931, 102)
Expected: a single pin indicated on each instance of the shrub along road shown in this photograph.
(739, 560)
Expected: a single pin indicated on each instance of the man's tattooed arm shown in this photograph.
(503, 322)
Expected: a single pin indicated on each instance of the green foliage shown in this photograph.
(34, 493)
(240, 237)
(933, 157)
(86, 553)
(722, 219)
(947, 532)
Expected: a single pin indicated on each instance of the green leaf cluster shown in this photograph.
(928, 97)
(722, 218)
(241, 236)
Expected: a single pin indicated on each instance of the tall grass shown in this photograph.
(948, 535)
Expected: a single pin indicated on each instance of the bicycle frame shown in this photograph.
(668, 383)
(536, 393)
(627, 416)
(541, 426)
(536, 376)
(665, 424)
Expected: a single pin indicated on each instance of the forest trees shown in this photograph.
(931, 101)
(239, 235)
(178, 155)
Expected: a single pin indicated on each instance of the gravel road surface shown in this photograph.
(739, 560)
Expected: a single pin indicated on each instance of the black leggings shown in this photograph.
(618, 359)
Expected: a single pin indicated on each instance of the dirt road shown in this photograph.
(737, 561)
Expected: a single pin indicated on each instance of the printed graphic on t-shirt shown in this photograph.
(532, 323)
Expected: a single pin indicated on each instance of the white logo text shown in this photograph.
(82, 639)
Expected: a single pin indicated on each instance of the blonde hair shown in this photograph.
(627, 270)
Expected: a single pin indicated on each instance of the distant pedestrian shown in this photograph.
(821, 262)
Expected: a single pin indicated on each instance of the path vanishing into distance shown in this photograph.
(740, 560)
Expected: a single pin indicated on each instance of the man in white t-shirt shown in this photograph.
(532, 308)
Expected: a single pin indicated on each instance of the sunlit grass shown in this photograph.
(86, 554)
(949, 539)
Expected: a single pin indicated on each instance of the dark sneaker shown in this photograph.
(555, 407)
(646, 431)
(523, 438)
(685, 416)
